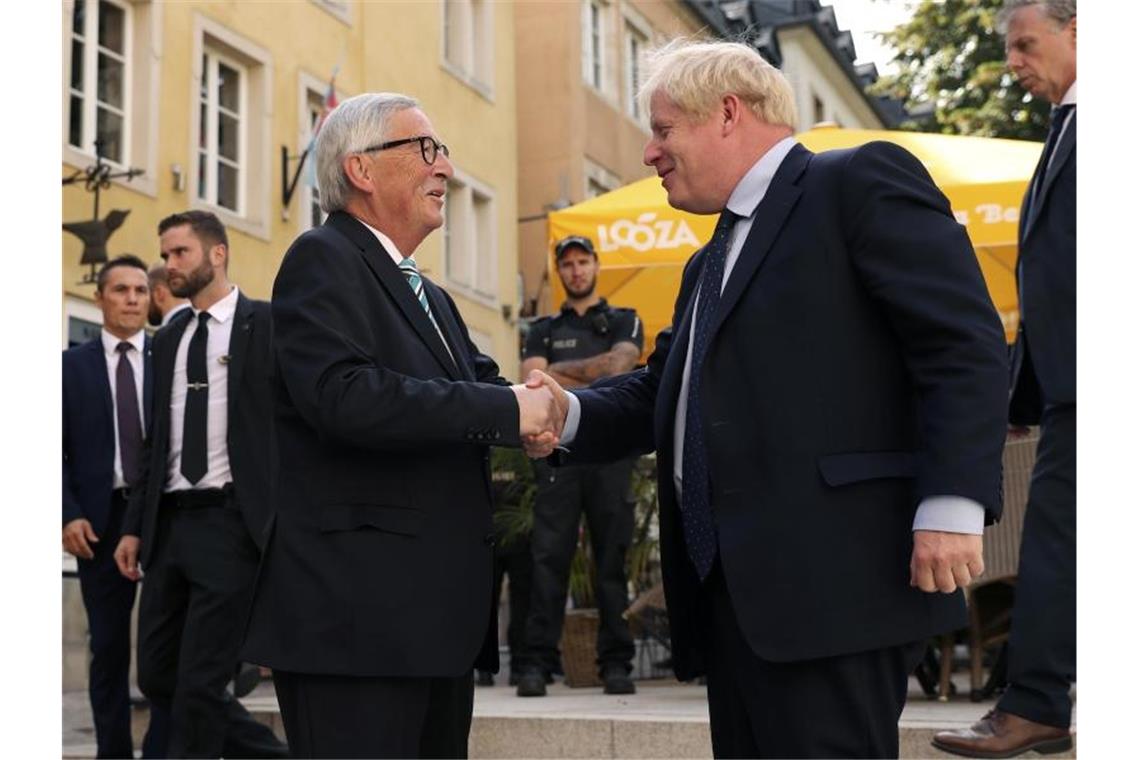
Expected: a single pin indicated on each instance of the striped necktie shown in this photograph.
(412, 275)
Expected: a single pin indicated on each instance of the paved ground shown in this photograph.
(664, 719)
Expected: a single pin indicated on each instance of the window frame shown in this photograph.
(633, 23)
(474, 64)
(214, 59)
(485, 293)
(90, 86)
(594, 59)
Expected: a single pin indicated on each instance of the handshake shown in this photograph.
(542, 413)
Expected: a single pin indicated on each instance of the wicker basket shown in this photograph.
(580, 648)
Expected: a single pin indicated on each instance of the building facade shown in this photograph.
(205, 97)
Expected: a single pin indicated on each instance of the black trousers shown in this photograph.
(108, 598)
(844, 706)
(195, 599)
(346, 716)
(563, 494)
(1043, 636)
(515, 562)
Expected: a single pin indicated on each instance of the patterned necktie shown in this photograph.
(127, 414)
(696, 511)
(193, 464)
(412, 275)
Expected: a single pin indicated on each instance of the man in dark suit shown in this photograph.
(827, 411)
(106, 391)
(197, 518)
(1035, 712)
(373, 603)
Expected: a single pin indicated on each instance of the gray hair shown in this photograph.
(1060, 11)
(352, 126)
(696, 75)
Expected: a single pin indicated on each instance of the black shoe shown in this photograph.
(532, 683)
(246, 679)
(484, 678)
(617, 680)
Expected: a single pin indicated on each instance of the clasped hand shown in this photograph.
(542, 412)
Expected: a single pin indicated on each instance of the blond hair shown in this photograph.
(695, 75)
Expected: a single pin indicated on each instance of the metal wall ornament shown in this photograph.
(95, 232)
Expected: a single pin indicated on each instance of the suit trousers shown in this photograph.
(349, 716)
(195, 599)
(564, 493)
(108, 598)
(843, 706)
(1043, 633)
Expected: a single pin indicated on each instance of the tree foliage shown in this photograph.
(951, 65)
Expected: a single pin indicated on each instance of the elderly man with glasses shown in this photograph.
(374, 602)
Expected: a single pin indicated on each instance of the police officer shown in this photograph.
(587, 340)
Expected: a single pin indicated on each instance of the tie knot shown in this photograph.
(123, 347)
(727, 219)
(1059, 114)
(203, 317)
(408, 265)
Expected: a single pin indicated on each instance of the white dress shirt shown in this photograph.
(220, 326)
(135, 357)
(954, 514)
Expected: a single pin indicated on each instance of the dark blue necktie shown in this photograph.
(1056, 124)
(696, 511)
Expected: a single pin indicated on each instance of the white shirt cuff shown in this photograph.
(573, 415)
(950, 514)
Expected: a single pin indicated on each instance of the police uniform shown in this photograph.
(563, 493)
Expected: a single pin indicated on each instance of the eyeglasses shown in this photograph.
(429, 147)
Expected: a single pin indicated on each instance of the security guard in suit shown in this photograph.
(588, 339)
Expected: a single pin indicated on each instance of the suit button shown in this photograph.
(497, 435)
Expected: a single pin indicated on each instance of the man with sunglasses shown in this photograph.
(374, 603)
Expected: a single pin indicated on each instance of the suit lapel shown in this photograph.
(393, 281)
(450, 328)
(165, 349)
(239, 342)
(98, 366)
(148, 381)
(1065, 148)
(778, 202)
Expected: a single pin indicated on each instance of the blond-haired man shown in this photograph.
(828, 412)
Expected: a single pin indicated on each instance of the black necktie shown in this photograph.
(197, 396)
(1056, 124)
(696, 512)
(127, 415)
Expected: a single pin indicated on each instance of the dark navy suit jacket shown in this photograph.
(855, 366)
(1045, 355)
(89, 432)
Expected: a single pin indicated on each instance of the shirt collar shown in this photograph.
(385, 241)
(601, 304)
(111, 343)
(752, 187)
(224, 308)
(1070, 98)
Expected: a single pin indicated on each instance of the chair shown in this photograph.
(989, 600)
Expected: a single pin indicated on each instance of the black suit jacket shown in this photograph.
(379, 561)
(856, 365)
(89, 431)
(250, 440)
(1045, 356)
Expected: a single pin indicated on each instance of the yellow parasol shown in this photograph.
(643, 242)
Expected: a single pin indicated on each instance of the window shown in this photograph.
(230, 128)
(593, 44)
(100, 79)
(469, 248)
(84, 321)
(312, 216)
(636, 42)
(468, 41)
(599, 179)
(817, 109)
(221, 131)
